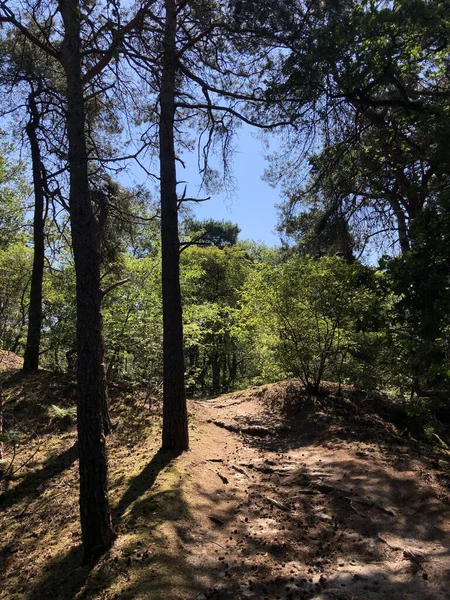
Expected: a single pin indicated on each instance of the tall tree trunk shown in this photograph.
(31, 356)
(402, 226)
(232, 369)
(96, 526)
(175, 425)
(215, 369)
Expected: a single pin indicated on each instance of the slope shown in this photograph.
(280, 496)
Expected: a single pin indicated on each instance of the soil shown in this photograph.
(280, 497)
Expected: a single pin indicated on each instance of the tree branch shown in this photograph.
(235, 113)
(11, 19)
(114, 286)
(117, 41)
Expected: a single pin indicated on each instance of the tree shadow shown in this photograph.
(373, 585)
(66, 578)
(31, 484)
(143, 482)
(163, 531)
(319, 549)
(28, 398)
(359, 519)
(299, 419)
(63, 578)
(131, 414)
(155, 522)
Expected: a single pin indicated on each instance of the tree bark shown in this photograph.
(175, 424)
(31, 356)
(232, 369)
(215, 370)
(95, 513)
(402, 227)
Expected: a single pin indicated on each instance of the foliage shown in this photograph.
(421, 281)
(368, 85)
(310, 316)
(13, 190)
(59, 312)
(132, 316)
(15, 273)
(212, 280)
(317, 232)
(64, 417)
(210, 232)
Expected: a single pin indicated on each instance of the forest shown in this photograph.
(188, 414)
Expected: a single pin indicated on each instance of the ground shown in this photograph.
(279, 497)
(9, 361)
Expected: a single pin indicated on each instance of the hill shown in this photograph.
(281, 496)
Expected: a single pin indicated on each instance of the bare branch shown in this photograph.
(117, 42)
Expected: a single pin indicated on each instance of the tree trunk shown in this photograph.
(31, 356)
(232, 369)
(175, 425)
(96, 526)
(402, 227)
(215, 369)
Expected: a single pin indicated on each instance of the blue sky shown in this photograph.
(252, 203)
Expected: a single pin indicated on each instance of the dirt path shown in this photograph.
(325, 521)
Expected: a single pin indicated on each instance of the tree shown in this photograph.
(13, 191)
(15, 270)
(317, 233)
(25, 72)
(307, 315)
(91, 385)
(211, 232)
(202, 88)
(59, 324)
(133, 324)
(69, 34)
(31, 356)
(14, 255)
(420, 281)
(175, 428)
(212, 281)
(367, 83)
(97, 532)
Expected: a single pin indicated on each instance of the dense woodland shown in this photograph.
(125, 289)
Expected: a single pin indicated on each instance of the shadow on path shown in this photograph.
(143, 482)
(64, 577)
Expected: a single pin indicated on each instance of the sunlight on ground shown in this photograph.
(324, 506)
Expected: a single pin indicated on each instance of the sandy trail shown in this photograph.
(276, 517)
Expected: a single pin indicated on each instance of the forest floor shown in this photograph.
(280, 497)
